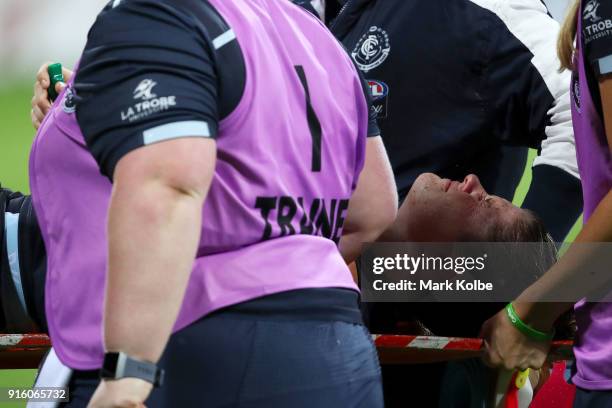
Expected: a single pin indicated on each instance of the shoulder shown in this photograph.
(526, 19)
(524, 27)
(123, 17)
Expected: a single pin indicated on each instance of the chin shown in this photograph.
(426, 180)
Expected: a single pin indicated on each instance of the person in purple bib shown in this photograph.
(200, 184)
(589, 24)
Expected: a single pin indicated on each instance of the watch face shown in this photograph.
(109, 368)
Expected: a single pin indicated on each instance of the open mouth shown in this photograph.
(446, 184)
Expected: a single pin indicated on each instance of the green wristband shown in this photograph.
(524, 328)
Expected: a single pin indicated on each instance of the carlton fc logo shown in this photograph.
(144, 90)
(590, 11)
(372, 49)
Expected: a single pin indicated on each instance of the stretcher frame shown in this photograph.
(19, 351)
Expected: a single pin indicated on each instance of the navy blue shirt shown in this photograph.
(597, 37)
(137, 90)
(465, 86)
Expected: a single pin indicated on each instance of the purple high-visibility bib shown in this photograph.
(593, 346)
(270, 223)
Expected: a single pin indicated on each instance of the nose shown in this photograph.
(471, 185)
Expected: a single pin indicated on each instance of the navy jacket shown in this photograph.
(465, 86)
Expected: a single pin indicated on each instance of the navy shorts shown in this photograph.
(301, 349)
(592, 399)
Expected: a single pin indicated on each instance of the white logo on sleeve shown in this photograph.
(149, 103)
(372, 49)
(144, 89)
(590, 11)
(594, 26)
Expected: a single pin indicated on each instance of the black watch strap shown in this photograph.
(119, 365)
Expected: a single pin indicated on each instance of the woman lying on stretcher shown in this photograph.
(441, 210)
(436, 210)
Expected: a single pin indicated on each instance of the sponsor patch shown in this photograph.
(380, 97)
(148, 102)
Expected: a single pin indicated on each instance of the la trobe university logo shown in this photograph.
(144, 90)
(594, 26)
(148, 102)
(590, 11)
(372, 49)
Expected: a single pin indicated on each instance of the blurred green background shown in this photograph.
(15, 140)
(17, 134)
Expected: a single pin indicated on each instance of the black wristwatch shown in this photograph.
(120, 365)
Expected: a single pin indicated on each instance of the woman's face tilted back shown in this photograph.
(439, 209)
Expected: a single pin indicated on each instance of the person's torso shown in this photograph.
(274, 213)
(594, 158)
(270, 169)
(428, 64)
(593, 347)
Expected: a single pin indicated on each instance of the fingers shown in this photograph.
(504, 346)
(39, 113)
(40, 104)
(484, 330)
(521, 357)
(40, 101)
(521, 367)
(537, 361)
(42, 75)
(35, 121)
(491, 357)
(37, 117)
(40, 98)
(59, 87)
(67, 74)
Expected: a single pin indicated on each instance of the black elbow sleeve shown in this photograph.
(22, 265)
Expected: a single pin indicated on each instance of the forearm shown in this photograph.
(567, 278)
(153, 233)
(351, 243)
(373, 206)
